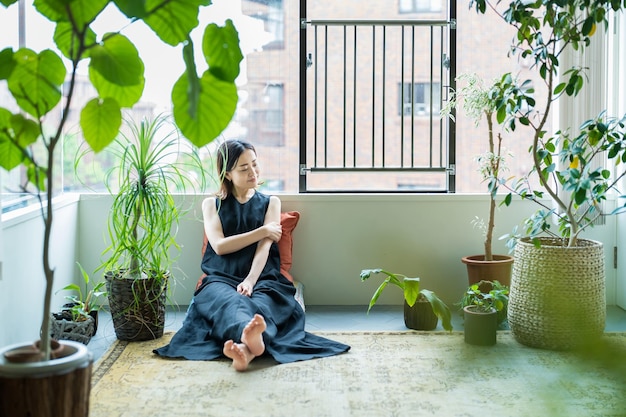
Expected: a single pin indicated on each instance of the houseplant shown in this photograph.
(143, 221)
(481, 101)
(558, 280)
(418, 304)
(78, 319)
(39, 81)
(483, 312)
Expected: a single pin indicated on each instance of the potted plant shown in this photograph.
(143, 221)
(78, 320)
(557, 287)
(481, 101)
(422, 308)
(39, 82)
(482, 313)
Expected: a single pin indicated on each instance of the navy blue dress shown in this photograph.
(219, 313)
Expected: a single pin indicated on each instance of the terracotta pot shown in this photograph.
(54, 388)
(420, 316)
(480, 270)
(480, 328)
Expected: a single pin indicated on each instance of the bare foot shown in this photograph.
(239, 353)
(252, 335)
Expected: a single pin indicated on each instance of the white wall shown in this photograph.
(338, 235)
(23, 283)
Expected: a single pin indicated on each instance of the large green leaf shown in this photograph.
(126, 96)
(100, 121)
(82, 12)
(440, 309)
(7, 3)
(69, 44)
(6, 63)
(36, 80)
(220, 46)
(173, 20)
(15, 128)
(117, 60)
(216, 106)
(10, 155)
(411, 290)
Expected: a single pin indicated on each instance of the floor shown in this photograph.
(325, 318)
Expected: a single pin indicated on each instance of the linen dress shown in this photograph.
(219, 313)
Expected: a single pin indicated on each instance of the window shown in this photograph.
(271, 14)
(265, 124)
(419, 6)
(419, 99)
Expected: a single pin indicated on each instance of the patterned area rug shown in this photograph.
(384, 374)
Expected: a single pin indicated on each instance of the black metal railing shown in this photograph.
(372, 91)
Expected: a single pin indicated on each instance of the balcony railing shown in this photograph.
(372, 94)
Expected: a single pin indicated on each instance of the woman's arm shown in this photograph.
(270, 230)
(262, 250)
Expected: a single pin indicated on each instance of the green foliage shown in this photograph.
(562, 163)
(144, 216)
(411, 290)
(84, 303)
(497, 298)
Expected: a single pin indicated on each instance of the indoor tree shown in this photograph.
(568, 165)
(203, 104)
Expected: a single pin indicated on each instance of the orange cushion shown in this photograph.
(289, 221)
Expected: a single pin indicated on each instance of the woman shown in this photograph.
(245, 307)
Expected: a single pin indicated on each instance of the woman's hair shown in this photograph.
(227, 155)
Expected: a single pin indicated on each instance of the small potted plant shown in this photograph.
(483, 312)
(422, 308)
(78, 320)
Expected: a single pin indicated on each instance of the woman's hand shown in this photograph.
(274, 231)
(245, 288)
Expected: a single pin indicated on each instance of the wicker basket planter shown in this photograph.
(64, 328)
(137, 306)
(557, 297)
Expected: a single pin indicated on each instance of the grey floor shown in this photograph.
(325, 318)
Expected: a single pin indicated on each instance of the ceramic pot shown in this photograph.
(480, 270)
(480, 328)
(420, 316)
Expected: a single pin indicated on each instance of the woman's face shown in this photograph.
(245, 173)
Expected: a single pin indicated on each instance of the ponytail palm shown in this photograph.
(144, 215)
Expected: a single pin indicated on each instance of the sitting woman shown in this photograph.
(245, 307)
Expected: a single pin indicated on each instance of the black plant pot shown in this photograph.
(420, 316)
(480, 327)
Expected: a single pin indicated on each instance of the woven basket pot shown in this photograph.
(557, 297)
(78, 331)
(137, 306)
